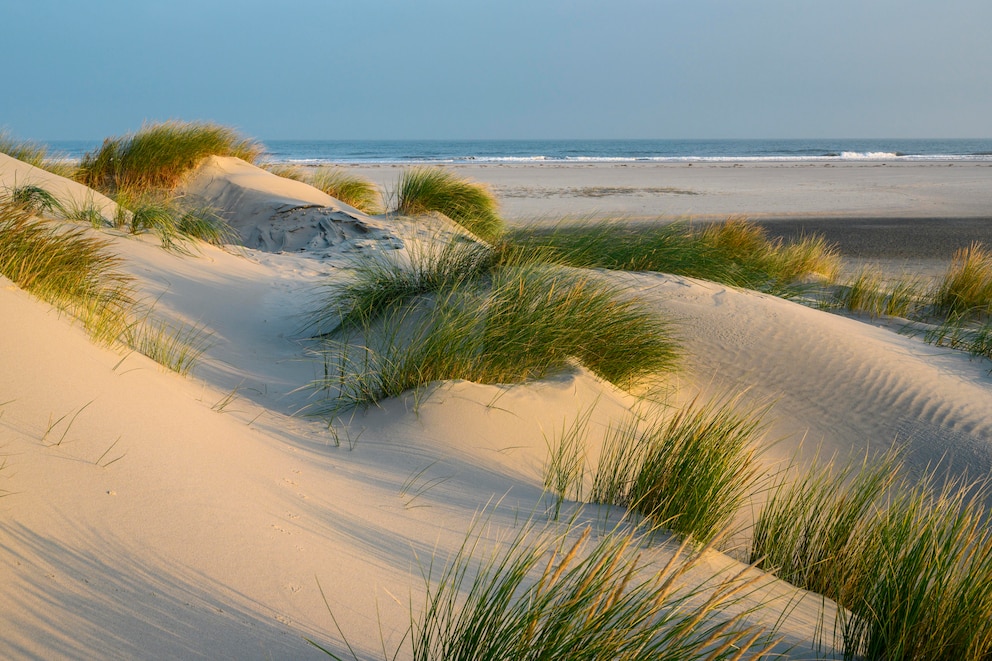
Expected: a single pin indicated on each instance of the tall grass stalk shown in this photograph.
(173, 223)
(923, 585)
(67, 268)
(379, 283)
(910, 560)
(807, 533)
(554, 597)
(158, 155)
(736, 252)
(966, 287)
(35, 154)
(471, 204)
(520, 323)
(868, 292)
(176, 348)
(697, 469)
(350, 189)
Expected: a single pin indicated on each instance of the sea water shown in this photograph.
(319, 152)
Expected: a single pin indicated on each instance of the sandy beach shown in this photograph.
(904, 216)
(149, 515)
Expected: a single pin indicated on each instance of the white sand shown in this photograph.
(150, 517)
(758, 190)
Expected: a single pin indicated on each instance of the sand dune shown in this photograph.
(153, 516)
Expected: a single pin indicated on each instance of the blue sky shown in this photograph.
(393, 69)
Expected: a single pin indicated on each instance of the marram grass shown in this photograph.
(518, 323)
(76, 272)
(735, 252)
(351, 189)
(66, 267)
(966, 287)
(564, 597)
(469, 203)
(381, 283)
(157, 156)
(35, 154)
(909, 560)
(175, 225)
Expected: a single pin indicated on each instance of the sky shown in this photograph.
(500, 69)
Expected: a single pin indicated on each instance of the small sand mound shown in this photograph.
(275, 214)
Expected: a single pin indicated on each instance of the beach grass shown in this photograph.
(380, 283)
(690, 470)
(286, 171)
(807, 531)
(698, 470)
(516, 324)
(870, 292)
(157, 156)
(66, 267)
(175, 348)
(910, 559)
(735, 252)
(35, 154)
(545, 595)
(923, 584)
(966, 287)
(471, 204)
(351, 189)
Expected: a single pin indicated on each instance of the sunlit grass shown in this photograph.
(35, 154)
(543, 595)
(735, 252)
(966, 288)
(910, 560)
(351, 189)
(517, 323)
(157, 156)
(66, 267)
(469, 203)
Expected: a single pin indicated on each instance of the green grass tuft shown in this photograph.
(35, 154)
(65, 267)
(966, 288)
(546, 596)
(910, 560)
(174, 223)
(177, 349)
(736, 252)
(286, 171)
(350, 189)
(157, 156)
(471, 204)
(516, 324)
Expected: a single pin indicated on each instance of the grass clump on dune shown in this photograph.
(77, 273)
(174, 223)
(158, 155)
(690, 470)
(35, 154)
(911, 561)
(697, 470)
(736, 252)
(517, 323)
(65, 267)
(381, 283)
(542, 595)
(471, 204)
(966, 288)
(868, 292)
(350, 189)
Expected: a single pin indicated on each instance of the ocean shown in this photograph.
(319, 152)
